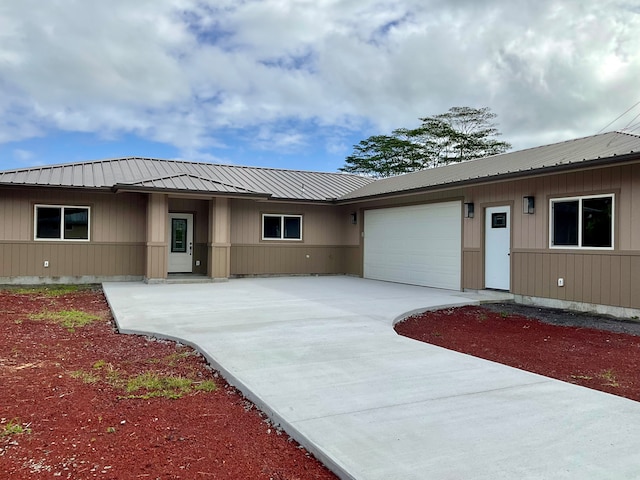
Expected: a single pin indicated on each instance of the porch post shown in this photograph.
(157, 243)
(219, 243)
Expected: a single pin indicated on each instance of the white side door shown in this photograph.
(180, 243)
(497, 248)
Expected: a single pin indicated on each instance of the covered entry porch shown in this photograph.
(187, 235)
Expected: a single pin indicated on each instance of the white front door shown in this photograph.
(497, 248)
(180, 243)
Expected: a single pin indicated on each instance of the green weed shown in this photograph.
(610, 377)
(206, 386)
(145, 385)
(99, 364)
(156, 385)
(48, 290)
(86, 377)
(582, 377)
(13, 427)
(69, 319)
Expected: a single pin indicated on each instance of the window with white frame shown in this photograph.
(55, 222)
(582, 222)
(281, 227)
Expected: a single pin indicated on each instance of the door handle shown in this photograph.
(190, 248)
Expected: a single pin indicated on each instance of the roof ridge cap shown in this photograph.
(178, 161)
(187, 174)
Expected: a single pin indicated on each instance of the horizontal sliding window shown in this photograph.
(281, 227)
(582, 222)
(52, 222)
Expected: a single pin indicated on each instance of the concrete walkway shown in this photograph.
(319, 355)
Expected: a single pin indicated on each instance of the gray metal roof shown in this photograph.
(146, 174)
(578, 152)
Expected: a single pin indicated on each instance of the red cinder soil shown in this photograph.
(585, 356)
(66, 389)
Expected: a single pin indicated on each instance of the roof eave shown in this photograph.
(309, 201)
(104, 188)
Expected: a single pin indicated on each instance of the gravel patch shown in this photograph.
(555, 316)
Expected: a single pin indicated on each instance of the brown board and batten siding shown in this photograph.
(329, 245)
(117, 236)
(606, 277)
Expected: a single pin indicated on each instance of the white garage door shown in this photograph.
(419, 245)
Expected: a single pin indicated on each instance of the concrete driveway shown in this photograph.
(319, 355)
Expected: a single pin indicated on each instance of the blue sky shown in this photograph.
(296, 83)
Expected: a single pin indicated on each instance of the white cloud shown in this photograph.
(22, 155)
(179, 71)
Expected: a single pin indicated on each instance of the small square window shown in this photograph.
(281, 227)
(499, 220)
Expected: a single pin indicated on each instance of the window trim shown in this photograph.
(62, 209)
(282, 217)
(580, 199)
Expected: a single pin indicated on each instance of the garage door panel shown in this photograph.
(419, 245)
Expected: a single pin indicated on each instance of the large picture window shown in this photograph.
(52, 222)
(582, 222)
(281, 227)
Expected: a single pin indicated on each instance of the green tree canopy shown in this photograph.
(462, 133)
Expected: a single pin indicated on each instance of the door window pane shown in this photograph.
(178, 235)
(499, 220)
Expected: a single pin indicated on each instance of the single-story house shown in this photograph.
(557, 224)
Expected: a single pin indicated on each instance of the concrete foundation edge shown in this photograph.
(618, 312)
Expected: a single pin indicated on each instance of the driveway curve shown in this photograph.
(320, 357)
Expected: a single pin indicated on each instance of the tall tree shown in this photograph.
(462, 133)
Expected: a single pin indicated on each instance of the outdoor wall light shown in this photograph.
(528, 205)
(468, 210)
(354, 217)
